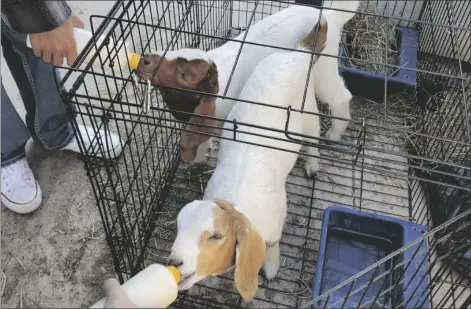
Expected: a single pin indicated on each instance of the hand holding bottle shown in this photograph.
(154, 287)
(53, 45)
(116, 297)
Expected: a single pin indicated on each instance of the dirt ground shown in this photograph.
(57, 256)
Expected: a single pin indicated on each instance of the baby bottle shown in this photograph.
(154, 287)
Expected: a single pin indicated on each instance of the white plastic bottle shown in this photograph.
(154, 287)
(82, 37)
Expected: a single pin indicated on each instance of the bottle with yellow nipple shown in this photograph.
(134, 61)
(154, 287)
(115, 55)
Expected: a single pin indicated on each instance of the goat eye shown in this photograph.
(216, 236)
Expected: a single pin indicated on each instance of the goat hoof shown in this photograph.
(332, 136)
(270, 269)
(311, 168)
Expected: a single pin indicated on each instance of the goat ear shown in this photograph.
(250, 257)
(198, 72)
(190, 139)
(250, 252)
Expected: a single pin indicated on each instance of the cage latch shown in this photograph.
(147, 95)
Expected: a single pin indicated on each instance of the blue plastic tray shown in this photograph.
(351, 241)
(371, 85)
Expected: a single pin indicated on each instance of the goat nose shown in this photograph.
(174, 261)
(147, 59)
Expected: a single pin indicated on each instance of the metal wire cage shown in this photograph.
(406, 153)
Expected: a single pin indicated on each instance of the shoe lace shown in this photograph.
(25, 174)
(10, 176)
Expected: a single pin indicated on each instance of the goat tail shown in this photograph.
(340, 17)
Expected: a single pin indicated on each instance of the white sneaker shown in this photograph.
(95, 144)
(20, 190)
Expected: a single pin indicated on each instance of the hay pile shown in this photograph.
(373, 39)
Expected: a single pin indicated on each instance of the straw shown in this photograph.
(369, 38)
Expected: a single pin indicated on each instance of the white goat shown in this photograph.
(210, 72)
(244, 207)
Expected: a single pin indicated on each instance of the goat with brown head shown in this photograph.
(186, 69)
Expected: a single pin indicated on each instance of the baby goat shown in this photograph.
(210, 72)
(242, 214)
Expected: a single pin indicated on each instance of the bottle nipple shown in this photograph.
(134, 62)
(175, 273)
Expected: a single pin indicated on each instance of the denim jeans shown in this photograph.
(46, 118)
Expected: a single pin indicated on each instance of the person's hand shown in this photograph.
(77, 22)
(58, 43)
(116, 297)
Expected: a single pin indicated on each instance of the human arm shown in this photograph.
(50, 25)
(35, 16)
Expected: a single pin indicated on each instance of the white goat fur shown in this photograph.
(252, 178)
(283, 29)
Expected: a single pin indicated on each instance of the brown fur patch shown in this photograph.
(217, 256)
(310, 41)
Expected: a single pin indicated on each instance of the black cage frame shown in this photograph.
(407, 155)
